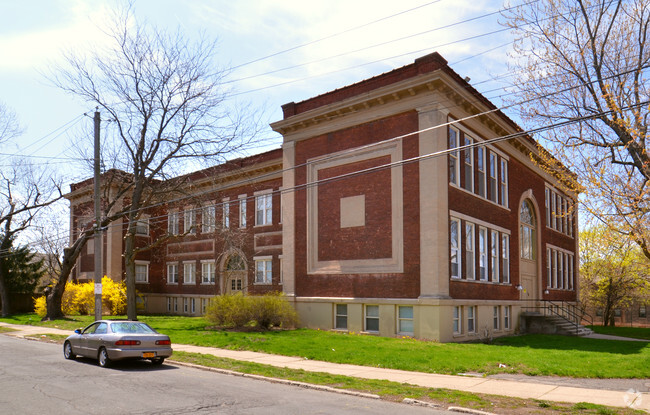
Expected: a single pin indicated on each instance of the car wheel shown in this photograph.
(158, 360)
(67, 351)
(103, 359)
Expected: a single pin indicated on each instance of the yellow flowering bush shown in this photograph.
(80, 299)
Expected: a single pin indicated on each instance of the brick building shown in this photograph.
(369, 219)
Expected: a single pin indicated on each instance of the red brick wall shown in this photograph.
(402, 285)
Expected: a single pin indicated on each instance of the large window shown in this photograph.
(559, 268)
(494, 255)
(496, 317)
(341, 317)
(142, 225)
(172, 273)
(225, 210)
(189, 224)
(559, 211)
(470, 254)
(372, 318)
(242, 211)
(503, 183)
(208, 219)
(172, 223)
(493, 177)
(141, 272)
(208, 272)
(264, 209)
(263, 270)
(189, 273)
(468, 158)
(505, 258)
(527, 231)
(454, 167)
(480, 167)
(405, 319)
(482, 254)
(506, 317)
(454, 237)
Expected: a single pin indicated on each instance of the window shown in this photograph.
(599, 312)
(493, 177)
(570, 287)
(172, 273)
(193, 305)
(405, 319)
(189, 224)
(549, 267)
(496, 318)
(559, 269)
(207, 272)
(527, 231)
(189, 273)
(617, 312)
(175, 304)
(454, 168)
(341, 317)
(372, 318)
(505, 258)
(242, 212)
(506, 317)
(470, 254)
(225, 210)
(454, 236)
(186, 307)
(503, 183)
(480, 168)
(547, 204)
(236, 284)
(469, 165)
(457, 320)
(142, 272)
(471, 319)
(142, 226)
(494, 255)
(264, 209)
(482, 253)
(172, 223)
(263, 271)
(169, 304)
(642, 311)
(208, 219)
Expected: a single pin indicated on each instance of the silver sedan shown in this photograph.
(108, 340)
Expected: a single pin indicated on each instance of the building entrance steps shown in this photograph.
(618, 394)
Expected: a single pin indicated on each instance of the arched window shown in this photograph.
(527, 231)
(235, 263)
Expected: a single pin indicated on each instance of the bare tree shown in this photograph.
(24, 192)
(588, 60)
(165, 102)
(9, 126)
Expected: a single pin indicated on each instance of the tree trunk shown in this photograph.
(54, 298)
(4, 296)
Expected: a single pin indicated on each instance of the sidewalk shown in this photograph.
(514, 388)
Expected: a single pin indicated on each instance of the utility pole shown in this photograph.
(98, 231)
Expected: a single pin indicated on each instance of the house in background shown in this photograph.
(390, 209)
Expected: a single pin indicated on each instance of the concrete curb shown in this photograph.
(468, 411)
(276, 380)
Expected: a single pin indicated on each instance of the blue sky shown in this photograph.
(33, 35)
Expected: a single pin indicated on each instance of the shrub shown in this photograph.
(229, 310)
(40, 306)
(273, 310)
(238, 311)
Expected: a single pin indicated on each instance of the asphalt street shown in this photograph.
(36, 379)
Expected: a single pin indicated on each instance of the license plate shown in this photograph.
(148, 354)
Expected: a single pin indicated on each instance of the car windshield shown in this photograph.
(131, 327)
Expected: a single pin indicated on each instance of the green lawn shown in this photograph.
(530, 354)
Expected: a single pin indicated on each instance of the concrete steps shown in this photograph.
(533, 322)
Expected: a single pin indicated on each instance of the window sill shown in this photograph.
(262, 283)
(142, 282)
(172, 283)
(208, 283)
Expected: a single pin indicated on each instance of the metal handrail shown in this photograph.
(561, 310)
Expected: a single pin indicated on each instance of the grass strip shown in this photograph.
(6, 329)
(397, 392)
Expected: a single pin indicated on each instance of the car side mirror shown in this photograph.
(78, 331)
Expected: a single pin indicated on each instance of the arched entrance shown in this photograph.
(234, 274)
(528, 253)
